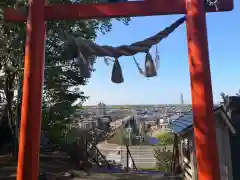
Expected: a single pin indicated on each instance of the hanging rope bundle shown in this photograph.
(150, 70)
(87, 47)
(117, 76)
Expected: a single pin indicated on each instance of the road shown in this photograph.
(116, 124)
(143, 155)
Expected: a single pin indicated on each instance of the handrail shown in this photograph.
(94, 159)
(98, 153)
(129, 154)
(102, 156)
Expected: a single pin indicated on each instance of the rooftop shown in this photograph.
(186, 121)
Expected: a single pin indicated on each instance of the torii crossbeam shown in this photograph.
(202, 102)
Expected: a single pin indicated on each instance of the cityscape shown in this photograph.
(143, 129)
(156, 117)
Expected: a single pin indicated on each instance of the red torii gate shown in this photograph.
(39, 12)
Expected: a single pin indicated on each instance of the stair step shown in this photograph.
(94, 175)
(50, 156)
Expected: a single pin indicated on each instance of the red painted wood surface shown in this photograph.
(107, 10)
(31, 116)
(201, 88)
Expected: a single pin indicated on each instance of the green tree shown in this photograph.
(62, 79)
(166, 138)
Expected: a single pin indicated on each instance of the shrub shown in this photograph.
(164, 158)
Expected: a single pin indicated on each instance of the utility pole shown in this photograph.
(129, 134)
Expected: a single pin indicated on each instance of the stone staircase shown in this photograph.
(143, 156)
(96, 158)
(57, 167)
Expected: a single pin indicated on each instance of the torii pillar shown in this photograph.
(202, 101)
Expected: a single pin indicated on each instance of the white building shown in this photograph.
(101, 109)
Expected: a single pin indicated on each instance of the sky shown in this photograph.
(173, 73)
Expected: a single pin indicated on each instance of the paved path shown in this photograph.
(116, 124)
(142, 155)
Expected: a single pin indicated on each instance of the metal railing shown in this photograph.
(96, 156)
(134, 167)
